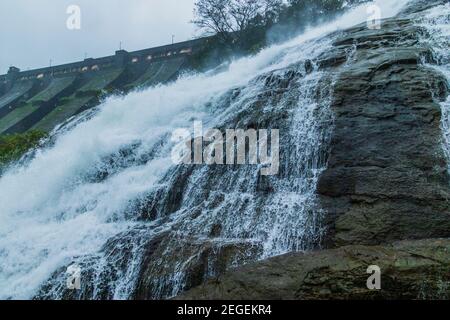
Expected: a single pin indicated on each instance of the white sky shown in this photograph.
(34, 31)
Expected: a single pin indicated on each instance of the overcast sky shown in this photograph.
(34, 31)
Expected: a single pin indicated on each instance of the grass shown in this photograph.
(13, 147)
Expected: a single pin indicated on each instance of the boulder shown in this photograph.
(409, 270)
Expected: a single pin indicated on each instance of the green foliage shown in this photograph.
(212, 53)
(12, 147)
(283, 22)
(309, 11)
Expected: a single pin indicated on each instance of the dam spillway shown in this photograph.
(42, 99)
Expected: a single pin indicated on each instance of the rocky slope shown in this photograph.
(387, 177)
(409, 270)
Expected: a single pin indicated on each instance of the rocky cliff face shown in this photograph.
(386, 180)
(387, 175)
(363, 118)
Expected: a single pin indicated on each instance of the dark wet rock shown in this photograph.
(409, 270)
(387, 176)
(417, 6)
(110, 281)
(197, 261)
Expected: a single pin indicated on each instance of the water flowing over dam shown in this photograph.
(103, 193)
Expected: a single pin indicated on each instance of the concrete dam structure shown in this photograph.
(43, 98)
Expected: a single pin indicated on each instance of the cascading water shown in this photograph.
(437, 23)
(106, 196)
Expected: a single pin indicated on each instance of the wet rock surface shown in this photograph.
(409, 270)
(387, 175)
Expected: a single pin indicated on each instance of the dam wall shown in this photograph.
(41, 99)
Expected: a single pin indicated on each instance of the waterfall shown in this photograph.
(437, 23)
(104, 194)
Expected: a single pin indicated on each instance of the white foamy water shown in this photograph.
(437, 23)
(53, 211)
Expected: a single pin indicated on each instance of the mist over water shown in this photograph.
(74, 197)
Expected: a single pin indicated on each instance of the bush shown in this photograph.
(13, 147)
(284, 22)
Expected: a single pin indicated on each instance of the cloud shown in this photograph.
(34, 31)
